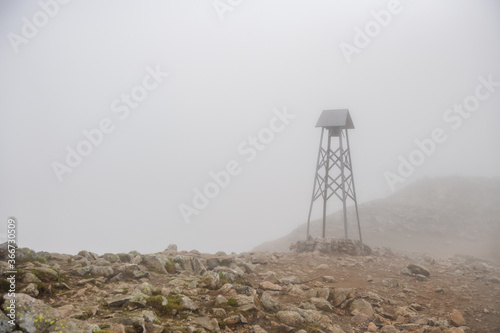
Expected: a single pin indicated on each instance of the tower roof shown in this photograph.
(335, 119)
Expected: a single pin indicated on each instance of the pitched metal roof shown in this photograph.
(335, 118)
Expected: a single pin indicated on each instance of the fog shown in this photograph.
(161, 96)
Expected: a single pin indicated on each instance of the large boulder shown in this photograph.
(32, 315)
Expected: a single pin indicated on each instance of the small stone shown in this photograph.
(321, 304)
(360, 318)
(372, 327)
(30, 278)
(219, 312)
(31, 290)
(390, 283)
(270, 286)
(457, 319)
(118, 300)
(339, 295)
(197, 266)
(389, 329)
(269, 303)
(258, 329)
(417, 269)
(420, 277)
(328, 279)
(207, 323)
(220, 300)
(272, 278)
(233, 320)
(362, 306)
(290, 318)
(187, 304)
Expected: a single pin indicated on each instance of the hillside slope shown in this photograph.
(441, 216)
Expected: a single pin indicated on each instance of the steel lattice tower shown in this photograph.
(334, 176)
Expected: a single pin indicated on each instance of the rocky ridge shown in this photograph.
(320, 286)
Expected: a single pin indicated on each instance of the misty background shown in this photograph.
(225, 79)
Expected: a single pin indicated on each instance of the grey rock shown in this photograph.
(243, 300)
(328, 279)
(73, 326)
(188, 304)
(81, 271)
(71, 311)
(101, 262)
(362, 306)
(219, 300)
(154, 263)
(323, 293)
(290, 318)
(5, 327)
(102, 271)
(111, 258)
(207, 323)
(234, 320)
(258, 329)
(172, 247)
(132, 271)
(321, 304)
(420, 277)
(29, 311)
(45, 274)
(269, 303)
(197, 266)
(60, 257)
(389, 329)
(31, 290)
(332, 245)
(89, 255)
(117, 301)
(212, 263)
(418, 269)
(219, 312)
(390, 283)
(30, 278)
(339, 295)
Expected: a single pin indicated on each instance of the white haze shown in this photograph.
(225, 79)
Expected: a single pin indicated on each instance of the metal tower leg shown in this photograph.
(315, 181)
(325, 192)
(354, 189)
(342, 173)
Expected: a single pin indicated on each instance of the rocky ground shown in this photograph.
(320, 286)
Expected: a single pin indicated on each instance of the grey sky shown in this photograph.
(225, 79)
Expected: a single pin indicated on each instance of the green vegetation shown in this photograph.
(232, 302)
(170, 266)
(157, 303)
(41, 260)
(222, 278)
